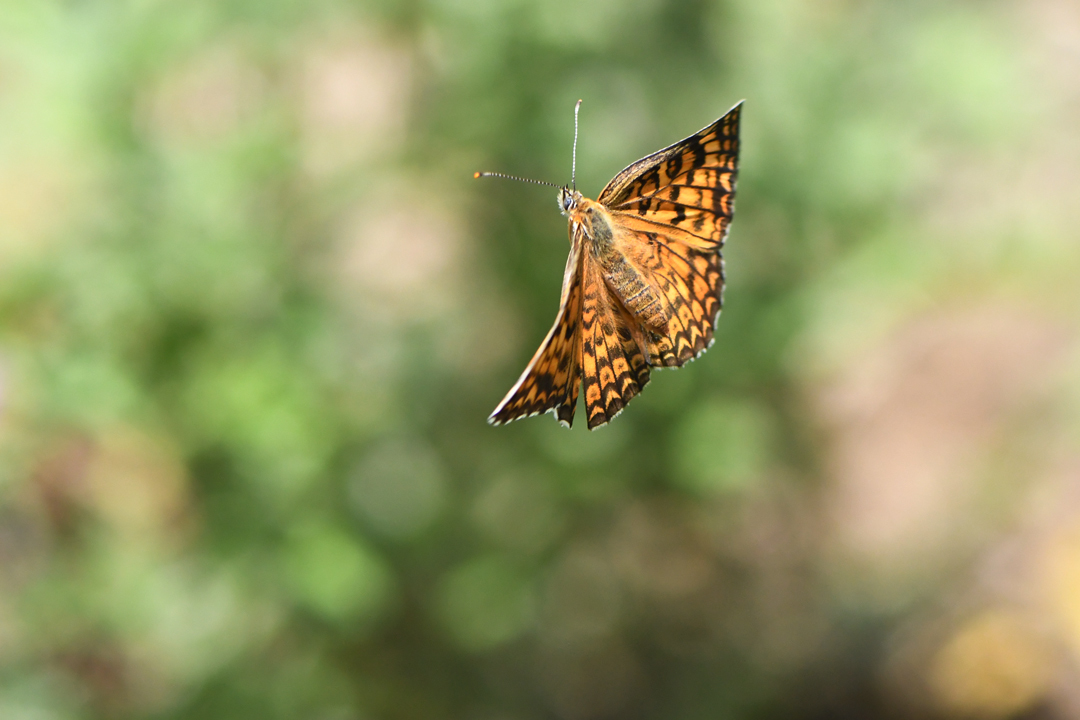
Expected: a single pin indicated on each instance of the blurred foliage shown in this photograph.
(254, 311)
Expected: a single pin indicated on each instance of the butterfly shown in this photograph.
(643, 286)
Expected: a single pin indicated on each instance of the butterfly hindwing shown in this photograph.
(613, 365)
(689, 285)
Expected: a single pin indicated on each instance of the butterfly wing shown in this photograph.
(613, 365)
(552, 378)
(688, 187)
(688, 284)
(673, 209)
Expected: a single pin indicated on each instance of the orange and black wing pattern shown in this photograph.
(613, 364)
(552, 379)
(674, 208)
(686, 190)
(690, 286)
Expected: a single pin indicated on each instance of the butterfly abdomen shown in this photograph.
(636, 294)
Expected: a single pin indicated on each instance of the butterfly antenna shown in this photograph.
(573, 161)
(512, 177)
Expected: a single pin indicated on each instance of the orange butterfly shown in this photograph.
(644, 282)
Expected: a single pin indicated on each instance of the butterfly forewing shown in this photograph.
(689, 186)
(552, 378)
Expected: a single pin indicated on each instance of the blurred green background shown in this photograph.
(254, 311)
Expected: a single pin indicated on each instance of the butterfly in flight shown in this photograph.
(644, 282)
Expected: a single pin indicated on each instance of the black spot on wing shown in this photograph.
(699, 154)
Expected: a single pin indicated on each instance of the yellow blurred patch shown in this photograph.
(35, 201)
(994, 666)
(1061, 573)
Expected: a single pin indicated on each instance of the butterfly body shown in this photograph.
(644, 281)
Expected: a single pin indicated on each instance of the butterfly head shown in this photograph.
(568, 200)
